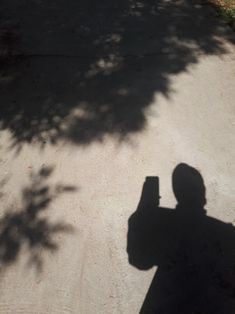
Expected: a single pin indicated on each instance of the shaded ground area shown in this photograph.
(88, 69)
(28, 228)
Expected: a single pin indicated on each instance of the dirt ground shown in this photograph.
(101, 95)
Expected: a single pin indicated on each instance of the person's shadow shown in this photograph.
(195, 254)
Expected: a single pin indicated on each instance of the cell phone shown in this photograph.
(150, 192)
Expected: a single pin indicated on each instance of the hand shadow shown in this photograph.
(194, 253)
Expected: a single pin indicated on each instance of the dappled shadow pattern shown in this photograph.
(195, 254)
(90, 69)
(28, 228)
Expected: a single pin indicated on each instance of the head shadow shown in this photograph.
(188, 187)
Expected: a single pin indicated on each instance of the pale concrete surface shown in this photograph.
(185, 105)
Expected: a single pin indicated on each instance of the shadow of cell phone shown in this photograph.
(150, 192)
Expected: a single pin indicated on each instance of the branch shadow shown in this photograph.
(28, 227)
(90, 69)
(194, 253)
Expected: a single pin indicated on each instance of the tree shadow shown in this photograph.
(28, 228)
(195, 253)
(90, 69)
